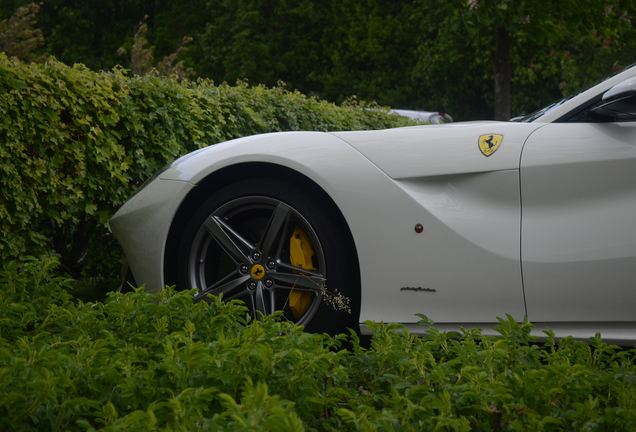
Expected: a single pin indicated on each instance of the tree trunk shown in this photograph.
(502, 74)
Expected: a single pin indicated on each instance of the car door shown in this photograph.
(578, 236)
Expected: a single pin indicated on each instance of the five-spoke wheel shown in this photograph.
(265, 244)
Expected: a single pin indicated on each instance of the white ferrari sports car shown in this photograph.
(461, 222)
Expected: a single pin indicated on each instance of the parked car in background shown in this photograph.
(425, 116)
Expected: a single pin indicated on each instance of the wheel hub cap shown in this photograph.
(258, 272)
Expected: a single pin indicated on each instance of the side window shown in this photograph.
(619, 109)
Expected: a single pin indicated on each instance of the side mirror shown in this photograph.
(623, 87)
(621, 108)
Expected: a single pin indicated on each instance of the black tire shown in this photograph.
(239, 243)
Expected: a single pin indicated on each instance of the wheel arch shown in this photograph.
(225, 177)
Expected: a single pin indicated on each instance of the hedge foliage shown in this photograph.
(148, 362)
(74, 144)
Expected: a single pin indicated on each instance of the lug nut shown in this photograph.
(271, 265)
(244, 269)
(251, 285)
(269, 283)
(256, 256)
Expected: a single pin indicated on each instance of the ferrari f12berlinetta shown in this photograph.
(463, 222)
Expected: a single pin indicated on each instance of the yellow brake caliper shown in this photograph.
(300, 253)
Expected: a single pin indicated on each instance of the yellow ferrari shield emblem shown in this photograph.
(488, 144)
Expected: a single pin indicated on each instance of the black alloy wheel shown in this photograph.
(275, 246)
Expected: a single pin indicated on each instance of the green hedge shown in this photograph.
(74, 144)
(146, 362)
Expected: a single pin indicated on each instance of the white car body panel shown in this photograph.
(367, 195)
(579, 222)
(542, 227)
(428, 151)
(142, 226)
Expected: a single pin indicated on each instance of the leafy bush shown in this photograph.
(159, 362)
(76, 144)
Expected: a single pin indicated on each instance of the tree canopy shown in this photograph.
(476, 59)
(587, 36)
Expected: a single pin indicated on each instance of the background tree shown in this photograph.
(18, 38)
(142, 59)
(422, 54)
(266, 41)
(370, 48)
(77, 28)
(455, 78)
(527, 30)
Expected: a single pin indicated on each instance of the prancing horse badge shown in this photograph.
(488, 144)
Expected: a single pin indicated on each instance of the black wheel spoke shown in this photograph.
(288, 268)
(272, 239)
(260, 301)
(272, 300)
(235, 245)
(313, 282)
(230, 287)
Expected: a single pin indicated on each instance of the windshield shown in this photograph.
(537, 114)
